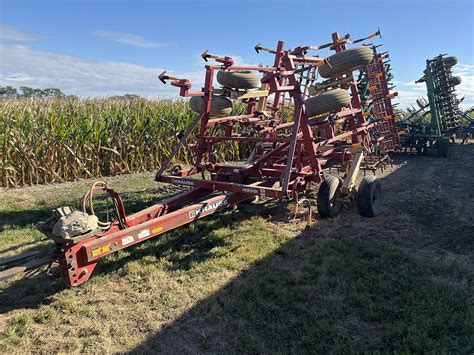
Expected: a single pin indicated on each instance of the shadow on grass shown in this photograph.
(24, 218)
(15, 247)
(348, 291)
(316, 295)
(194, 243)
(134, 202)
(438, 196)
(30, 291)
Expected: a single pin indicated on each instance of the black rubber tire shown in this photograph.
(238, 79)
(327, 102)
(450, 61)
(421, 150)
(346, 61)
(455, 80)
(443, 147)
(328, 193)
(220, 105)
(369, 196)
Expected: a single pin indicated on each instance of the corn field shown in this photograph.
(56, 140)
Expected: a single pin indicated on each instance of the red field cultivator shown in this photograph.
(295, 127)
(375, 91)
(378, 85)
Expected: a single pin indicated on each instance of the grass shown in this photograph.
(338, 295)
(251, 281)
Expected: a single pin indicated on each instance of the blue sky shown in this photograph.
(99, 48)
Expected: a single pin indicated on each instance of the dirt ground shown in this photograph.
(428, 206)
(255, 281)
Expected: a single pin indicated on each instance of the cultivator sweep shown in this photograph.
(295, 128)
(430, 125)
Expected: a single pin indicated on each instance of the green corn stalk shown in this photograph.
(56, 140)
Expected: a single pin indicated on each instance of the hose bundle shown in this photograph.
(87, 204)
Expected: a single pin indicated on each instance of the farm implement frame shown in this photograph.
(296, 129)
(435, 120)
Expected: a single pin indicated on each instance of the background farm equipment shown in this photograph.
(435, 120)
(466, 129)
(295, 127)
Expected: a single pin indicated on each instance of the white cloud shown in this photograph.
(130, 39)
(243, 62)
(409, 92)
(22, 65)
(466, 88)
(9, 34)
(463, 69)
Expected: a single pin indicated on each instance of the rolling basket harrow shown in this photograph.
(296, 126)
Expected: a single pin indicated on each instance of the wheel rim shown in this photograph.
(376, 198)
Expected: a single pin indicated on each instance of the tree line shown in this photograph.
(27, 92)
(9, 92)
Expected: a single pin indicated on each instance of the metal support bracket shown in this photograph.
(349, 181)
